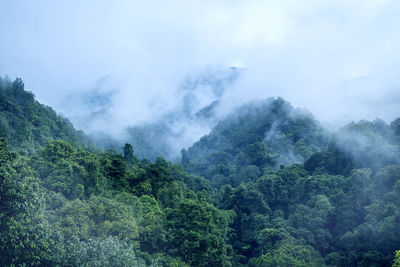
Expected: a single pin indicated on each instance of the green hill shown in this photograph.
(29, 125)
(254, 138)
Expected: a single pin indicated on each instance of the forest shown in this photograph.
(268, 186)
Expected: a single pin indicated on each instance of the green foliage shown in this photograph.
(396, 262)
(22, 223)
(108, 251)
(332, 161)
(290, 255)
(115, 169)
(325, 213)
(128, 154)
(62, 169)
(196, 233)
(151, 225)
(98, 216)
(29, 125)
(262, 134)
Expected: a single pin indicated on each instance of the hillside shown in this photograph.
(29, 125)
(254, 138)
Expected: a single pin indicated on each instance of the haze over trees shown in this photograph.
(268, 186)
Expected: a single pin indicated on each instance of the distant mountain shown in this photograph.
(90, 107)
(193, 117)
(255, 137)
(29, 125)
(202, 91)
(198, 98)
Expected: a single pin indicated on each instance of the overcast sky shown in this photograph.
(339, 59)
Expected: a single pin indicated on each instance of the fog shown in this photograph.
(111, 65)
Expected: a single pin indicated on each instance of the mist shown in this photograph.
(109, 66)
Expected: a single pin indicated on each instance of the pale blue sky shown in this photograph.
(340, 59)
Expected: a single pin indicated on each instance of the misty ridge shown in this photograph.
(200, 106)
(196, 108)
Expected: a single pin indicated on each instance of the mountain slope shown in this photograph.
(29, 125)
(255, 137)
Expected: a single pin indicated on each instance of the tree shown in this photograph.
(22, 223)
(128, 154)
(396, 262)
(290, 254)
(196, 233)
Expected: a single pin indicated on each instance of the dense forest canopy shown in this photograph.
(268, 186)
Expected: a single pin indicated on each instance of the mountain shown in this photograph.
(255, 137)
(29, 125)
(193, 115)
